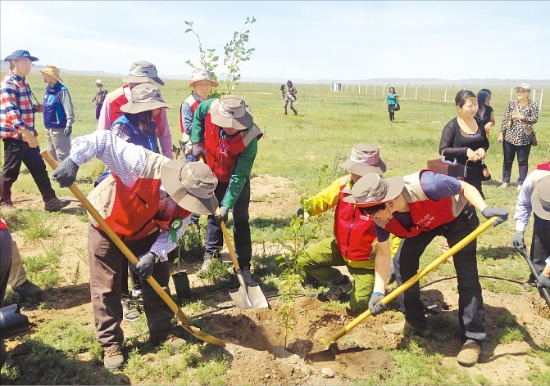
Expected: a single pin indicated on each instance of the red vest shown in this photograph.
(193, 103)
(354, 232)
(426, 214)
(545, 166)
(222, 154)
(115, 105)
(132, 213)
(3, 225)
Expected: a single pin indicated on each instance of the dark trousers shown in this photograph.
(510, 151)
(5, 262)
(98, 110)
(540, 244)
(15, 153)
(391, 111)
(470, 303)
(106, 265)
(241, 227)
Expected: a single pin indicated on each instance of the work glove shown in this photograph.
(518, 241)
(300, 211)
(145, 265)
(198, 151)
(68, 130)
(222, 215)
(65, 173)
(375, 305)
(501, 213)
(543, 281)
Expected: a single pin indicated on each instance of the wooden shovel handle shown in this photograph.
(132, 258)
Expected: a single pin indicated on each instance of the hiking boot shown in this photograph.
(113, 358)
(55, 204)
(130, 310)
(248, 278)
(172, 339)
(28, 289)
(208, 260)
(469, 353)
(335, 291)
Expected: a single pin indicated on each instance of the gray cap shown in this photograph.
(143, 72)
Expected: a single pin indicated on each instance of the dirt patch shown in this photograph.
(256, 348)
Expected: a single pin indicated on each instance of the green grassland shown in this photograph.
(299, 148)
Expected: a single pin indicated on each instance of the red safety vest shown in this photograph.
(222, 154)
(426, 214)
(193, 103)
(354, 232)
(131, 212)
(3, 225)
(545, 166)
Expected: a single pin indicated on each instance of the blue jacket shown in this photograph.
(54, 113)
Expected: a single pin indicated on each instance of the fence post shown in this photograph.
(430, 93)
(404, 91)
(534, 94)
(416, 92)
(540, 102)
(511, 91)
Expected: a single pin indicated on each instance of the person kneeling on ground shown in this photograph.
(354, 243)
(147, 200)
(419, 207)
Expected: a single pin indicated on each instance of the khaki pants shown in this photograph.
(17, 273)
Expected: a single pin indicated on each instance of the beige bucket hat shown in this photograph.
(143, 71)
(199, 75)
(372, 189)
(191, 185)
(365, 158)
(231, 111)
(144, 97)
(540, 198)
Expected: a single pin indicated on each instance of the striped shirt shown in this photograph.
(127, 161)
(16, 108)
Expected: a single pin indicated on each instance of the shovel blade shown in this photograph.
(241, 299)
(257, 297)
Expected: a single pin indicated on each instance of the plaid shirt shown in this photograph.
(16, 108)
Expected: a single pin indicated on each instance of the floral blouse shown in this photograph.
(517, 133)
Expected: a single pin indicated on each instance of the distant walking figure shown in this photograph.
(392, 99)
(290, 96)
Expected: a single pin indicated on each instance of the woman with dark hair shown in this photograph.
(515, 134)
(391, 100)
(485, 114)
(463, 139)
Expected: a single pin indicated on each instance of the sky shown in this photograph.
(298, 40)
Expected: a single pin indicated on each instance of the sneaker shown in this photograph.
(208, 260)
(130, 310)
(113, 358)
(55, 204)
(518, 188)
(28, 289)
(335, 291)
(248, 278)
(469, 353)
(504, 185)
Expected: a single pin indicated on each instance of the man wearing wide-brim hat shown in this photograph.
(58, 113)
(202, 83)
(417, 208)
(147, 201)
(354, 242)
(225, 136)
(17, 130)
(141, 71)
(535, 196)
(99, 97)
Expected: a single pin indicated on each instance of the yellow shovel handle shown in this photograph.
(403, 287)
(128, 253)
(230, 246)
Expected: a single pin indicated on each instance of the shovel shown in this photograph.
(246, 297)
(330, 341)
(196, 332)
(543, 291)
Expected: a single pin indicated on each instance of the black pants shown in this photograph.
(540, 244)
(241, 227)
(510, 151)
(471, 313)
(15, 153)
(391, 111)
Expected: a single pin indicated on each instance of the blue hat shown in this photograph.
(21, 54)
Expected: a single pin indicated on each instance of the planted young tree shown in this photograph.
(235, 52)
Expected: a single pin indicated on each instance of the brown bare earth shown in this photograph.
(256, 340)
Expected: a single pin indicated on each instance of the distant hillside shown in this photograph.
(4, 66)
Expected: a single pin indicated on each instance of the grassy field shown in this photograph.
(298, 147)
